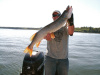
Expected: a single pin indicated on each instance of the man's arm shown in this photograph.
(71, 25)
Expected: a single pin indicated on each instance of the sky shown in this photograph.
(38, 13)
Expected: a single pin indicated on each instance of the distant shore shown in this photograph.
(77, 29)
(87, 30)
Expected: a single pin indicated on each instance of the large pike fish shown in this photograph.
(52, 27)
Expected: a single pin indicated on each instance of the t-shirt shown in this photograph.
(58, 47)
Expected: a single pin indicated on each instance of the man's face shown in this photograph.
(55, 16)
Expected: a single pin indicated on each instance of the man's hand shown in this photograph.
(71, 20)
(48, 37)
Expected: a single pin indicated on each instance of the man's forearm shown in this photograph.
(71, 30)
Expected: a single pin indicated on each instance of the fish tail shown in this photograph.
(52, 35)
(31, 38)
(37, 44)
(28, 50)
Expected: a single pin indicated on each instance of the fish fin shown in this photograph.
(28, 50)
(31, 38)
(37, 44)
(52, 35)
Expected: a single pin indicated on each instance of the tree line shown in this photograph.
(87, 30)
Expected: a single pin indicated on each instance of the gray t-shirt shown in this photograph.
(58, 47)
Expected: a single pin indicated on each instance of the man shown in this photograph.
(57, 56)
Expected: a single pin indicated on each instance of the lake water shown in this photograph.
(84, 52)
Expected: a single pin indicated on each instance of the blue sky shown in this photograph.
(37, 13)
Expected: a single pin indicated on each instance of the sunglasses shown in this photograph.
(54, 15)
